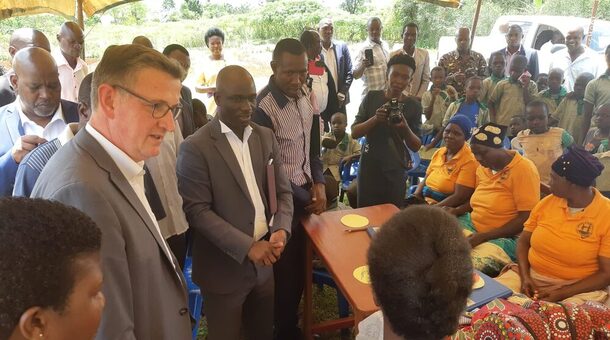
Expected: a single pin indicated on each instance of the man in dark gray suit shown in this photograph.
(239, 203)
(135, 93)
(21, 38)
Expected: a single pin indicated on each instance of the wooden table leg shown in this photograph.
(308, 300)
(358, 316)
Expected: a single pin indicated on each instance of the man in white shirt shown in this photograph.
(72, 69)
(37, 114)
(576, 59)
(135, 94)
(373, 72)
(238, 201)
(338, 60)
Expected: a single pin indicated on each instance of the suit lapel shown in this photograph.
(13, 122)
(226, 152)
(103, 159)
(70, 115)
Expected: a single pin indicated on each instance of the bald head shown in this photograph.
(236, 98)
(142, 40)
(27, 37)
(574, 39)
(37, 82)
(230, 75)
(71, 40)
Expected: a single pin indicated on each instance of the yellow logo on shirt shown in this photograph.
(585, 230)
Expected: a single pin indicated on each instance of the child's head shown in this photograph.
(580, 84)
(542, 82)
(517, 66)
(437, 76)
(602, 116)
(421, 272)
(537, 116)
(473, 88)
(517, 124)
(199, 113)
(338, 122)
(497, 62)
(555, 79)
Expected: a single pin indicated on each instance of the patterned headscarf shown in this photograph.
(490, 134)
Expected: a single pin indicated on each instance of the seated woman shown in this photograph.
(50, 269)
(508, 188)
(421, 276)
(564, 250)
(451, 175)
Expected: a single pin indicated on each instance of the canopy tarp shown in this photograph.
(445, 3)
(67, 8)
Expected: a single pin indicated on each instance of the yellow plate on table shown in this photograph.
(477, 281)
(354, 221)
(362, 275)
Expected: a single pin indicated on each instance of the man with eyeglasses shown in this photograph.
(135, 96)
(37, 114)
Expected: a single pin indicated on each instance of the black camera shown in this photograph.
(395, 111)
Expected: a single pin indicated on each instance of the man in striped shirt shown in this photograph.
(285, 106)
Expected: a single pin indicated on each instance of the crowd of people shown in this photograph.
(109, 179)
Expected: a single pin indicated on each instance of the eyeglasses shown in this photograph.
(159, 110)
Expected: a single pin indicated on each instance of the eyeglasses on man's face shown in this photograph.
(159, 109)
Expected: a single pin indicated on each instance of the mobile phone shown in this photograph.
(368, 55)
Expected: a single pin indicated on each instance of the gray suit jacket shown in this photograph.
(219, 209)
(145, 295)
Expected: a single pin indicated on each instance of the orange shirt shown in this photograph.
(499, 197)
(442, 176)
(564, 245)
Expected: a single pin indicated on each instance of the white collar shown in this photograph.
(61, 60)
(227, 130)
(128, 166)
(68, 133)
(58, 115)
(331, 47)
(371, 43)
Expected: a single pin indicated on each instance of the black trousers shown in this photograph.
(289, 273)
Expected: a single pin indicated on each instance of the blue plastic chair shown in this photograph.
(349, 173)
(195, 297)
(322, 277)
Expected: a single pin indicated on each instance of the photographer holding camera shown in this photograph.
(391, 123)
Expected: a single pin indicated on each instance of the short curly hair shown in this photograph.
(214, 32)
(402, 59)
(40, 241)
(421, 272)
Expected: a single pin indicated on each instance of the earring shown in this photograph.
(41, 335)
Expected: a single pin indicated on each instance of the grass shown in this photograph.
(325, 308)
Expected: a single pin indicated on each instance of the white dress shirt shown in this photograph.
(70, 78)
(586, 62)
(319, 87)
(49, 132)
(241, 149)
(330, 59)
(133, 172)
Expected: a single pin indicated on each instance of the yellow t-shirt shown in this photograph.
(565, 245)
(499, 197)
(442, 176)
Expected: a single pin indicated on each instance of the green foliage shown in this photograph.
(579, 8)
(192, 6)
(215, 10)
(352, 6)
(134, 13)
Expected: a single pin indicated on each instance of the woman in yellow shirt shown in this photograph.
(564, 250)
(451, 175)
(507, 189)
(206, 82)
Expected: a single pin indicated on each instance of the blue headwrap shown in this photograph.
(578, 166)
(464, 123)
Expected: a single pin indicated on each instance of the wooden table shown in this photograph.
(342, 252)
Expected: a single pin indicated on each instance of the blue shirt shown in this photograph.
(469, 110)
